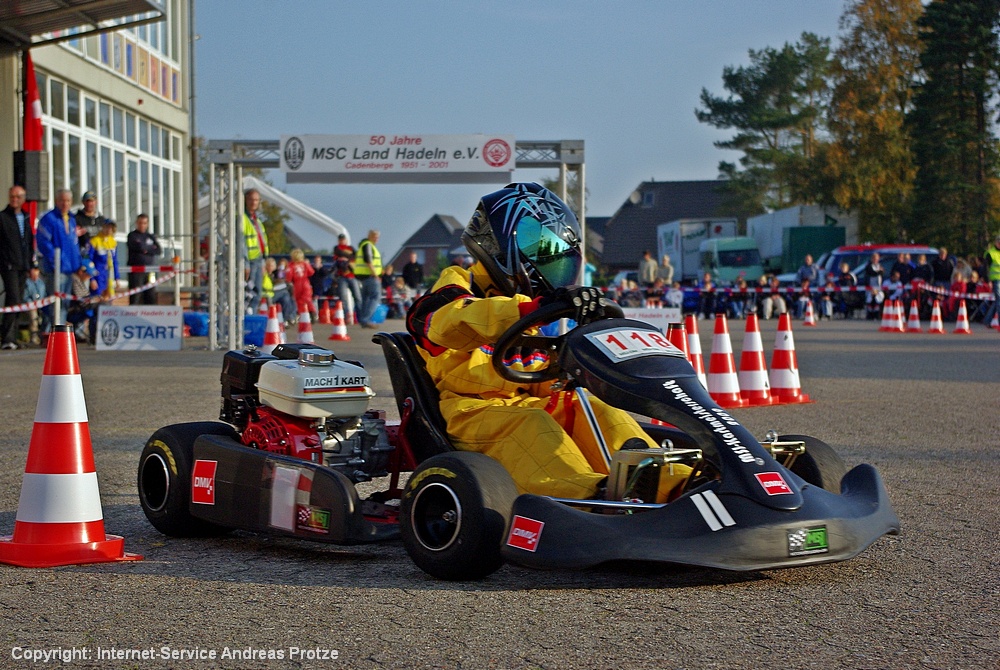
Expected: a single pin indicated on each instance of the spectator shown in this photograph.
(388, 277)
(348, 288)
(80, 313)
(34, 289)
(849, 299)
(893, 287)
(142, 251)
(674, 296)
(104, 254)
(88, 222)
(368, 269)
(993, 273)
(829, 299)
(57, 232)
(706, 301)
(944, 266)
(320, 278)
(872, 275)
(808, 271)
(805, 297)
(654, 294)
(647, 270)
(413, 275)
(666, 271)
(903, 267)
(400, 298)
(298, 273)
(740, 301)
(255, 248)
(279, 287)
(773, 302)
(924, 271)
(17, 249)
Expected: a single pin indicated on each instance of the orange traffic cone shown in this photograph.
(900, 326)
(677, 336)
(262, 308)
(754, 386)
(694, 349)
(937, 323)
(962, 325)
(305, 329)
(59, 516)
(810, 316)
(913, 322)
(272, 333)
(888, 317)
(349, 309)
(784, 376)
(339, 327)
(723, 383)
(324, 313)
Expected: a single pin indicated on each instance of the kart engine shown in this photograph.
(305, 403)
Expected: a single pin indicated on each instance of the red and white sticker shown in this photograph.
(203, 482)
(773, 483)
(625, 343)
(525, 533)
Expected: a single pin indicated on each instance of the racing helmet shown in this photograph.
(527, 239)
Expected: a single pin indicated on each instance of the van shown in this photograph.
(857, 256)
(731, 258)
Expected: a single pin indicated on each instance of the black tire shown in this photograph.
(164, 478)
(820, 465)
(454, 513)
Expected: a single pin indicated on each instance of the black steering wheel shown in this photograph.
(515, 337)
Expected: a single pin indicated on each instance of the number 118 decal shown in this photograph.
(625, 343)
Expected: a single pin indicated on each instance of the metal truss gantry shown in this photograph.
(226, 266)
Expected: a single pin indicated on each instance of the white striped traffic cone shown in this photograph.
(339, 327)
(962, 325)
(913, 322)
(694, 348)
(59, 516)
(272, 333)
(937, 323)
(754, 386)
(282, 337)
(723, 383)
(900, 324)
(784, 376)
(305, 329)
(888, 324)
(349, 309)
(995, 321)
(810, 316)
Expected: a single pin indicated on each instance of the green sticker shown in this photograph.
(805, 541)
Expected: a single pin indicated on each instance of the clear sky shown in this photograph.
(624, 76)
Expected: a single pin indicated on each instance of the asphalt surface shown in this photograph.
(923, 409)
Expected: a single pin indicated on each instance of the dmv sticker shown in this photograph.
(525, 533)
(203, 482)
(624, 343)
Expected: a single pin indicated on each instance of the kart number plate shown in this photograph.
(624, 343)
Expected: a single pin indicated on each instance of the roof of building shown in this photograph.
(632, 229)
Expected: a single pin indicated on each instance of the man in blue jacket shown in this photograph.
(57, 230)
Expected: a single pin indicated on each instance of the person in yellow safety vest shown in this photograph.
(992, 258)
(255, 249)
(368, 270)
(526, 244)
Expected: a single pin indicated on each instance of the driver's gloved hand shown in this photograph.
(586, 299)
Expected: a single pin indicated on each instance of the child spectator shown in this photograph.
(401, 297)
(675, 295)
(34, 289)
(80, 312)
(299, 272)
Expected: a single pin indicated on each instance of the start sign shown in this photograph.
(135, 328)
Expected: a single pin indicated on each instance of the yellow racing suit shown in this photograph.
(542, 438)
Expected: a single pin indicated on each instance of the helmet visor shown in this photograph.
(555, 255)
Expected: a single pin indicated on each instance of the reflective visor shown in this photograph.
(555, 258)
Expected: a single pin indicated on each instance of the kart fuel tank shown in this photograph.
(316, 385)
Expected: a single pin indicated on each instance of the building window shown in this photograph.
(73, 105)
(92, 181)
(648, 199)
(75, 170)
(119, 185)
(58, 159)
(90, 113)
(118, 124)
(43, 90)
(143, 135)
(130, 129)
(58, 102)
(105, 119)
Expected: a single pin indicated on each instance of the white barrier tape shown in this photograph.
(93, 300)
(68, 498)
(60, 400)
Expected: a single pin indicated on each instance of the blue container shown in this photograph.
(197, 323)
(254, 327)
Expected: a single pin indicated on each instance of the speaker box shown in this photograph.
(31, 170)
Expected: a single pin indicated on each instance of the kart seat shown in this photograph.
(425, 431)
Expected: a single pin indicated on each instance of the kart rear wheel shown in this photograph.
(164, 478)
(820, 465)
(454, 513)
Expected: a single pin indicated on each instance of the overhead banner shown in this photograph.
(397, 158)
(139, 328)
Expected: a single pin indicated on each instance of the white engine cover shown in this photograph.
(315, 386)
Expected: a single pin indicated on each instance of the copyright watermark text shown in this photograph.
(70, 655)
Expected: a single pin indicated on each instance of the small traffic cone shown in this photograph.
(324, 313)
(937, 323)
(913, 322)
(723, 383)
(694, 348)
(810, 316)
(888, 317)
(339, 327)
(272, 333)
(305, 329)
(262, 308)
(784, 376)
(995, 321)
(677, 336)
(900, 325)
(754, 386)
(962, 325)
(349, 310)
(59, 516)
(282, 337)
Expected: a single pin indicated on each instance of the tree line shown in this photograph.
(897, 122)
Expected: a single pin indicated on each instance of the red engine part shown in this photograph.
(283, 434)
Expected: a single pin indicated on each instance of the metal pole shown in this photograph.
(583, 217)
(236, 339)
(232, 263)
(213, 265)
(57, 289)
(193, 138)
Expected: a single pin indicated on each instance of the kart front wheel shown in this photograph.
(820, 465)
(454, 513)
(164, 478)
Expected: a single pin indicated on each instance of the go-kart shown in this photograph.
(296, 436)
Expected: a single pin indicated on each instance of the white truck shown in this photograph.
(681, 240)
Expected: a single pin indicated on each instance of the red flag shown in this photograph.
(33, 134)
